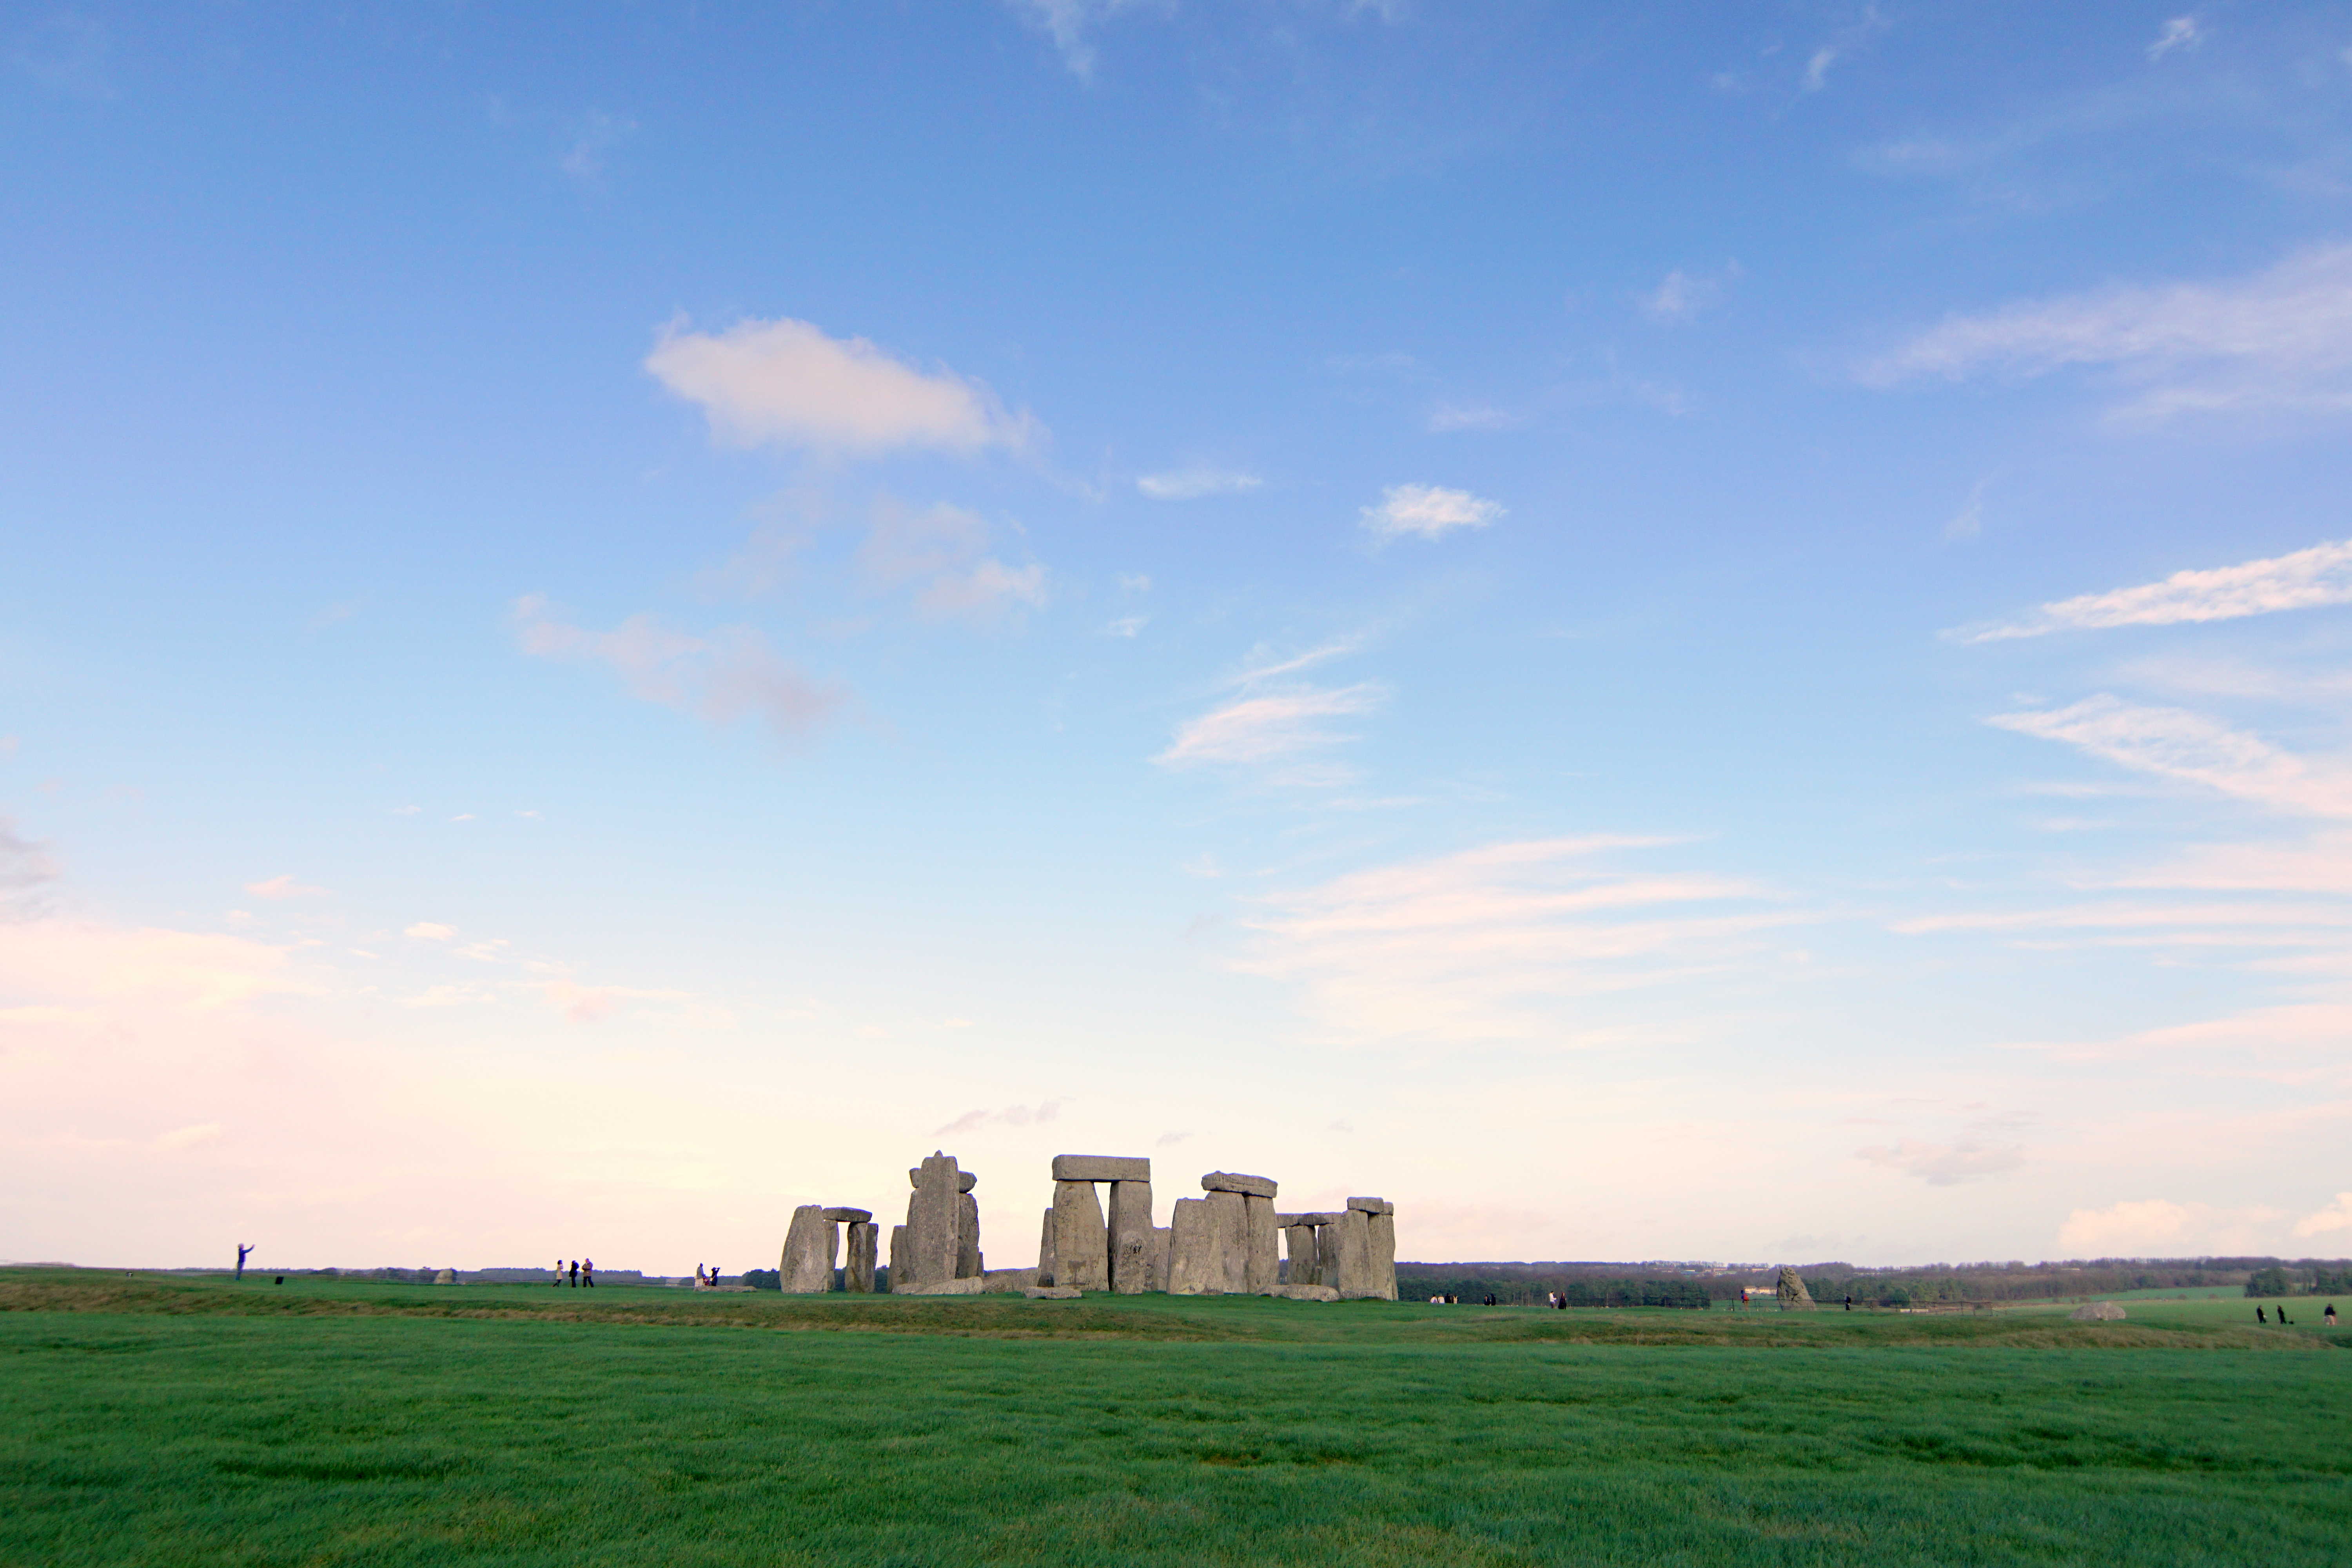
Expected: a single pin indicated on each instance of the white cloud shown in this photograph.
(1190, 484)
(2179, 33)
(598, 134)
(1471, 945)
(1427, 511)
(1127, 625)
(1277, 724)
(430, 931)
(2304, 580)
(2336, 1216)
(181, 972)
(284, 886)
(1068, 23)
(785, 381)
(24, 864)
(188, 1137)
(1011, 1116)
(720, 677)
(1681, 295)
(2157, 1228)
(1473, 416)
(2280, 339)
(1948, 1164)
(2173, 742)
(942, 551)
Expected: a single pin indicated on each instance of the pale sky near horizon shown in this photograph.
(1722, 633)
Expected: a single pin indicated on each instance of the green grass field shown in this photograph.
(172, 1421)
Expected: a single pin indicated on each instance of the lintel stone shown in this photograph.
(1371, 1206)
(847, 1216)
(1229, 1181)
(1100, 1168)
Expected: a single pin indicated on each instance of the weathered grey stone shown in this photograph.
(1100, 1168)
(1229, 1224)
(1130, 1235)
(445, 1276)
(1081, 1240)
(966, 1180)
(857, 1273)
(897, 1254)
(1383, 1230)
(1327, 1252)
(1052, 1293)
(1046, 1252)
(1306, 1258)
(934, 1221)
(1159, 1244)
(1261, 1246)
(1007, 1280)
(1792, 1292)
(1371, 1206)
(1356, 1281)
(967, 1235)
(1306, 1293)
(807, 1266)
(971, 1287)
(847, 1216)
(1321, 1217)
(1230, 1181)
(1195, 1268)
(2098, 1312)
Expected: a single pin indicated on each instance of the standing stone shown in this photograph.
(1130, 1237)
(1081, 1241)
(1327, 1250)
(2098, 1312)
(1195, 1268)
(1261, 1247)
(1046, 1252)
(1355, 1279)
(858, 1274)
(934, 1220)
(1159, 1244)
(1228, 1228)
(967, 1234)
(807, 1264)
(1792, 1292)
(1384, 1255)
(898, 1254)
(1306, 1255)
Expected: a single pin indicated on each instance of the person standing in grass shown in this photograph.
(576, 1274)
(558, 1280)
(2261, 1316)
(588, 1272)
(2328, 1317)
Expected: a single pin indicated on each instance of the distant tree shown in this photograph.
(764, 1280)
(1894, 1296)
(2270, 1281)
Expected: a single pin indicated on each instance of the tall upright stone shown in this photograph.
(1229, 1229)
(1355, 1282)
(898, 1255)
(1261, 1246)
(857, 1274)
(1046, 1274)
(934, 1222)
(1081, 1240)
(1194, 1265)
(1792, 1291)
(1383, 1230)
(1327, 1250)
(1162, 1240)
(807, 1266)
(968, 1264)
(1130, 1237)
(1306, 1256)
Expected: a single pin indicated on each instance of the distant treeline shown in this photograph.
(1602, 1284)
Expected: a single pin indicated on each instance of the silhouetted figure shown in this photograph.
(588, 1272)
(558, 1280)
(1849, 1303)
(1490, 1298)
(2328, 1317)
(2282, 1318)
(2261, 1316)
(576, 1274)
(243, 1252)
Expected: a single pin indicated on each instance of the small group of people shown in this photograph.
(1455, 1300)
(582, 1271)
(2328, 1317)
(705, 1281)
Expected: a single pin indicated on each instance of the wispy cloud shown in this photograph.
(2281, 339)
(2159, 1227)
(1068, 23)
(786, 382)
(1474, 945)
(2336, 1217)
(1010, 1116)
(1426, 511)
(1263, 728)
(1841, 46)
(284, 886)
(430, 931)
(942, 551)
(596, 135)
(2179, 33)
(1948, 1164)
(24, 865)
(720, 678)
(1682, 296)
(1190, 484)
(2304, 580)
(2175, 744)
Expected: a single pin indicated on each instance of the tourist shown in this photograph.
(2328, 1317)
(558, 1280)
(1849, 1303)
(576, 1274)
(2282, 1318)
(588, 1272)
(2261, 1316)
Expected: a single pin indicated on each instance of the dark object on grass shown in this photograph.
(281, 1279)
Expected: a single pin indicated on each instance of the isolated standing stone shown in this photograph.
(1792, 1292)
(1306, 1256)
(445, 1276)
(1195, 1268)
(2098, 1312)
(1261, 1248)
(1130, 1237)
(934, 1220)
(1046, 1251)
(1081, 1241)
(1355, 1282)
(857, 1274)
(807, 1264)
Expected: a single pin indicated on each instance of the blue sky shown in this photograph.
(1713, 634)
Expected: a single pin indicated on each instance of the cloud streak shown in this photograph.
(2277, 339)
(1426, 511)
(785, 382)
(2175, 744)
(1190, 484)
(2306, 579)
(720, 677)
